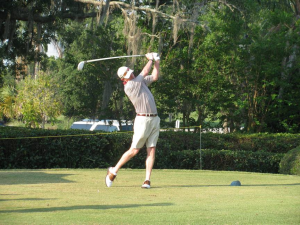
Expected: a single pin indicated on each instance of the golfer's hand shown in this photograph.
(149, 56)
(155, 56)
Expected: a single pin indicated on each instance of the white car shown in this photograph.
(105, 125)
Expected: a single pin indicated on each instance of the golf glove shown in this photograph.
(155, 56)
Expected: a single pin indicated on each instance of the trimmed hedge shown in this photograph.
(264, 162)
(276, 143)
(290, 163)
(82, 149)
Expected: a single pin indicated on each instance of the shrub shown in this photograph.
(276, 143)
(54, 148)
(84, 149)
(290, 163)
(263, 162)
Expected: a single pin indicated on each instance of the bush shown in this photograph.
(59, 148)
(263, 162)
(276, 143)
(83, 149)
(290, 163)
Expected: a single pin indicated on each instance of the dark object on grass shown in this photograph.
(236, 183)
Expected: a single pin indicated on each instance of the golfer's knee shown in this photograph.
(133, 151)
(151, 151)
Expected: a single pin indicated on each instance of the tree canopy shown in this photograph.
(234, 62)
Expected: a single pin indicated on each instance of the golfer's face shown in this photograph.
(131, 75)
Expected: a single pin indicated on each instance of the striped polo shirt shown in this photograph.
(139, 94)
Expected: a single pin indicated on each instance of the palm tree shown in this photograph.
(7, 102)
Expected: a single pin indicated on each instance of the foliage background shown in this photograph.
(234, 62)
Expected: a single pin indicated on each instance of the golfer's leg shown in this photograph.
(150, 161)
(126, 157)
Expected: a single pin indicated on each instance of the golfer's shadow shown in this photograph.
(224, 185)
(33, 177)
(211, 185)
(85, 207)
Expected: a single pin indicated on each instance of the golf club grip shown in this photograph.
(116, 57)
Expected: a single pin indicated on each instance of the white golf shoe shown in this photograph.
(146, 184)
(110, 177)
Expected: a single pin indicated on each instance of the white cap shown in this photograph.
(124, 72)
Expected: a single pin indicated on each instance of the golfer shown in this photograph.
(146, 124)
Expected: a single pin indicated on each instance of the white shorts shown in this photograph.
(146, 130)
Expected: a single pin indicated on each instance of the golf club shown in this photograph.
(81, 64)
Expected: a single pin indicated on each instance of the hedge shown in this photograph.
(290, 163)
(276, 143)
(82, 149)
(228, 160)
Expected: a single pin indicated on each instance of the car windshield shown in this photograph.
(106, 128)
(127, 127)
(90, 120)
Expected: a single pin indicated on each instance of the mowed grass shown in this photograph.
(67, 196)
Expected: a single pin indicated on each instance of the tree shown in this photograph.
(7, 102)
(38, 100)
(28, 26)
(232, 61)
(87, 93)
(271, 66)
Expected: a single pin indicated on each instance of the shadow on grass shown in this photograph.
(224, 185)
(31, 177)
(269, 185)
(84, 207)
(27, 199)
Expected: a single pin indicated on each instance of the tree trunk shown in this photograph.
(107, 91)
(287, 64)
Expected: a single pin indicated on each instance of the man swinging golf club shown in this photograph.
(147, 122)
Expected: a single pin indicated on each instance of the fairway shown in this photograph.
(70, 196)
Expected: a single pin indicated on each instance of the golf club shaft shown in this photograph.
(116, 57)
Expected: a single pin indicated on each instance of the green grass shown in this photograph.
(65, 196)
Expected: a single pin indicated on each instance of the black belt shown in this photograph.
(147, 114)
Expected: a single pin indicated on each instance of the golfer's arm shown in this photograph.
(147, 68)
(155, 72)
